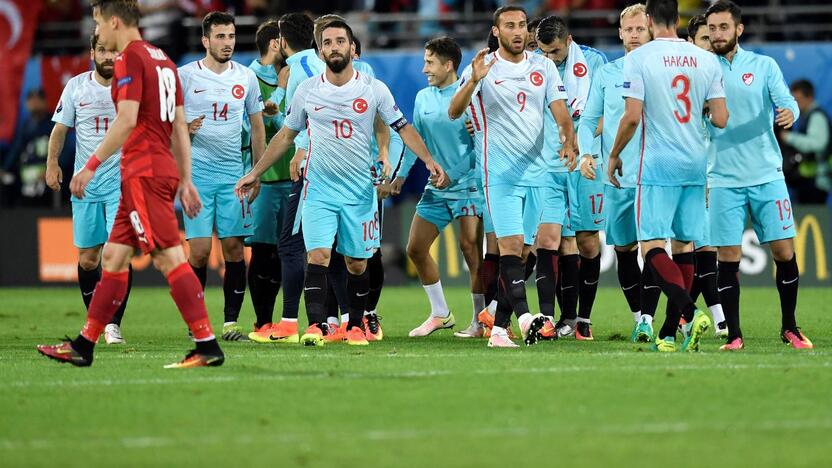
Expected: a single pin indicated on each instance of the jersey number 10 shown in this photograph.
(167, 94)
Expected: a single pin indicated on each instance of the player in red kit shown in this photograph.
(150, 122)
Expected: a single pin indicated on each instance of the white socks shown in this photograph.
(438, 306)
(637, 316)
(479, 304)
(647, 318)
(718, 314)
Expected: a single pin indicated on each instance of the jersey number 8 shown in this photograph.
(167, 94)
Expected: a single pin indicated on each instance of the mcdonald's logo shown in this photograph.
(808, 224)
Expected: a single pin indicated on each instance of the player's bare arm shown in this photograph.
(258, 146)
(181, 149)
(567, 132)
(54, 175)
(382, 133)
(463, 95)
(413, 140)
(125, 122)
(626, 129)
(277, 147)
(719, 112)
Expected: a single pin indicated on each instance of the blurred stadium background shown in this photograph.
(45, 42)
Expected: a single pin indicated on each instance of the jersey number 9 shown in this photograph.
(167, 94)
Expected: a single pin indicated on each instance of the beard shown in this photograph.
(106, 73)
(219, 58)
(338, 63)
(723, 49)
(509, 46)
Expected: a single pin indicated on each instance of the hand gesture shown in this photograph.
(54, 177)
(785, 118)
(588, 167)
(195, 124)
(478, 66)
(189, 198)
(615, 167)
(79, 182)
(438, 178)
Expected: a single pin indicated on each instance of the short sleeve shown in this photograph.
(128, 77)
(555, 90)
(296, 113)
(633, 79)
(717, 88)
(254, 100)
(65, 112)
(386, 105)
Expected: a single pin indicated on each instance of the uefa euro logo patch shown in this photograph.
(124, 81)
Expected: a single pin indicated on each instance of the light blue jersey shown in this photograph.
(302, 66)
(87, 106)
(595, 59)
(673, 78)
(745, 153)
(606, 100)
(447, 140)
(509, 107)
(222, 99)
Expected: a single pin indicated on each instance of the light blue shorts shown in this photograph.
(221, 208)
(357, 228)
(268, 210)
(670, 212)
(770, 208)
(92, 221)
(620, 214)
(442, 211)
(586, 201)
(555, 199)
(515, 210)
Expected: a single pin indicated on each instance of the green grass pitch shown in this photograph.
(437, 402)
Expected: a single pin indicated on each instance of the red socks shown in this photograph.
(108, 296)
(189, 298)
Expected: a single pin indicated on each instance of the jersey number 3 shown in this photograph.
(682, 97)
(167, 94)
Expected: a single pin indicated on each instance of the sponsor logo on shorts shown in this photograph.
(786, 228)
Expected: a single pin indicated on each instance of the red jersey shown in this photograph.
(144, 73)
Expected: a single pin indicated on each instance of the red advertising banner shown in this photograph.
(18, 21)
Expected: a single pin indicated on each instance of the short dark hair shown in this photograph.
(266, 32)
(493, 42)
(338, 25)
(357, 44)
(506, 9)
(664, 12)
(126, 10)
(445, 48)
(721, 6)
(694, 24)
(297, 30)
(215, 18)
(804, 86)
(531, 26)
(93, 40)
(551, 28)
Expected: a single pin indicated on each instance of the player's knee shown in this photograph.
(730, 254)
(512, 245)
(318, 257)
(233, 249)
(356, 266)
(89, 259)
(199, 257)
(589, 244)
(782, 250)
(416, 252)
(469, 248)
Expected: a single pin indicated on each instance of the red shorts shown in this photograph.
(145, 217)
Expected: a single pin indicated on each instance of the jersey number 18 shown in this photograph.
(167, 94)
